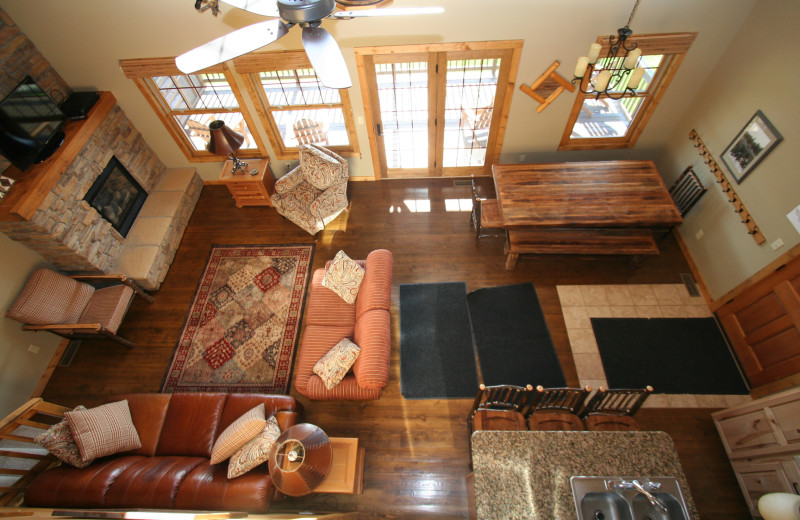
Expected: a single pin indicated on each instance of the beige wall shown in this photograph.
(20, 370)
(757, 72)
(85, 39)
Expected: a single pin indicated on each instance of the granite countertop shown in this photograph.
(525, 475)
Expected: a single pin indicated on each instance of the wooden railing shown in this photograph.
(38, 416)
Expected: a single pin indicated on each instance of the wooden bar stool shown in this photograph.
(612, 410)
(555, 409)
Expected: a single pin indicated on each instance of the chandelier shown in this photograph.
(616, 73)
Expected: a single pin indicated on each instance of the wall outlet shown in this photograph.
(777, 244)
(699, 235)
(33, 348)
(522, 158)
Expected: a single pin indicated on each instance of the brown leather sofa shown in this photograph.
(171, 470)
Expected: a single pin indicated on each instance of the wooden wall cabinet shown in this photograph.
(762, 440)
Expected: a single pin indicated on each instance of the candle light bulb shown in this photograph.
(635, 78)
(594, 52)
(632, 58)
(602, 80)
(581, 66)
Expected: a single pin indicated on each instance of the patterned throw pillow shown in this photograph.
(255, 451)
(344, 277)
(58, 440)
(335, 364)
(103, 430)
(238, 433)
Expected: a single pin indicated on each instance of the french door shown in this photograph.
(436, 110)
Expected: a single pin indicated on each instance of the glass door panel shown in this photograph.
(470, 90)
(403, 98)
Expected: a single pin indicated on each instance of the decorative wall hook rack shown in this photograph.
(547, 87)
(727, 188)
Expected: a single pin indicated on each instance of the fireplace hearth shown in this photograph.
(117, 196)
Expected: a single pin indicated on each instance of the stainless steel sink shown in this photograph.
(617, 498)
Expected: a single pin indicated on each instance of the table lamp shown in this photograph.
(779, 506)
(300, 459)
(226, 141)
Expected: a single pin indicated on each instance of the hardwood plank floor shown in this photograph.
(417, 450)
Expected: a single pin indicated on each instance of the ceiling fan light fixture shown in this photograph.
(305, 11)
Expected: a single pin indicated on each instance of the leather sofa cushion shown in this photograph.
(190, 426)
(151, 482)
(238, 404)
(208, 488)
(148, 412)
(65, 486)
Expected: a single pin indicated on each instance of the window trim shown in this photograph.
(142, 71)
(674, 47)
(248, 67)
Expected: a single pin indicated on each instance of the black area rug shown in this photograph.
(514, 344)
(437, 359)
(673, 355)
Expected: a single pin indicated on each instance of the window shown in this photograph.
(187, 103)
(289, 100)
(298, 108)
(610, 123)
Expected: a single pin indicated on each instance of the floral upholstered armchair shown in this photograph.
(315, 192)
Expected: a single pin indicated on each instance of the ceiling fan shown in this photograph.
(322, 50)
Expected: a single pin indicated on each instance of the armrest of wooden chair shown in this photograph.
(114, 277)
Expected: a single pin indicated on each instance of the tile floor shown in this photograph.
(579, 303)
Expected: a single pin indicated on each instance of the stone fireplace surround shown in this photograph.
(74, 237)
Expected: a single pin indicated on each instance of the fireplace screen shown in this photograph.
(117, 196)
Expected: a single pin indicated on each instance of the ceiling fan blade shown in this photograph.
(386, 11)
(326, 58)
(262, 7)
(231, 45)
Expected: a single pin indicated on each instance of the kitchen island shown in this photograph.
(526, 474)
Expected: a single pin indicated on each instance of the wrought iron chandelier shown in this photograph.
(617, 73)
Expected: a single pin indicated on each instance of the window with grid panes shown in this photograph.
(187, 103)
(298, 108)
(597, 123)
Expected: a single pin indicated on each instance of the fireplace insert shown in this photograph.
(117, 196)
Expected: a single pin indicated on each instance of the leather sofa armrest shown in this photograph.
(286, 419)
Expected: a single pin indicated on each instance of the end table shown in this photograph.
(251, 187)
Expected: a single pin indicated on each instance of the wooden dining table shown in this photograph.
(597, 207)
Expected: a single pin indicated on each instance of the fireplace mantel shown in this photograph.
(33, 186)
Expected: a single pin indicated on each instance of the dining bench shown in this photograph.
(579, 241)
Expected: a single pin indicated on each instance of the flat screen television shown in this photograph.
(30, 125)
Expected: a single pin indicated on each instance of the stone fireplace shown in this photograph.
(71, 234)
(117, 196)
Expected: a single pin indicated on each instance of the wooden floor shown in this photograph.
(417, 450)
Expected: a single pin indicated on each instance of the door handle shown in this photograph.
(380, 132)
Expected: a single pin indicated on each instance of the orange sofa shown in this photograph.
(329, 319)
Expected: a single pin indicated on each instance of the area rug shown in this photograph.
(673, 355)
(437, 358)
(512, 338)
(243, 325)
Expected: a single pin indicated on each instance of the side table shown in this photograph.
(251, 187)
(347, 468)
(300, 459)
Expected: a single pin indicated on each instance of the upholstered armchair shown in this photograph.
(70, 307)
(315, 192)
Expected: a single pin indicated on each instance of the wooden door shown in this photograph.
(763, 324)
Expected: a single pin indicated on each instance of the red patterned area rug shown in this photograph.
(243, 325)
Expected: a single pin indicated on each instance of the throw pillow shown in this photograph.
(335, 364)
(238, 433)
(344, 277)
(103, 430)
(255, 451)
(58, 440)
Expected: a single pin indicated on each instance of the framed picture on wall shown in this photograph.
(754, 142)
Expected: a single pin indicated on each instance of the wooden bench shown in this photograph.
(578, 241)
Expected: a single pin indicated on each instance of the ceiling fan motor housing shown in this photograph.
(305, 11)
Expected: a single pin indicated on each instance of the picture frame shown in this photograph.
(754, 142)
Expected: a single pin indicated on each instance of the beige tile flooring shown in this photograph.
(579, 303)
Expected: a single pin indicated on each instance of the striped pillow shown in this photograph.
(238, 433)
(103, 430)
(255, 451)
